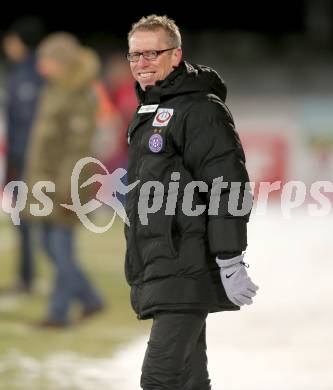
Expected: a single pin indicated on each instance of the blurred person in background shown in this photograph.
(24, 84)
(62, 134)
(119, 85)
(181, 267)
(118, 103)
(110, 132)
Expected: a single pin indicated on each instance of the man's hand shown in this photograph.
(237, 284)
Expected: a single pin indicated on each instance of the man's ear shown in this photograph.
(177, 57)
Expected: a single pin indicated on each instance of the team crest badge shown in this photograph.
(162, 117)
(156, 143)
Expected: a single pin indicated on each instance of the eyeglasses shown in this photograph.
(148, 54)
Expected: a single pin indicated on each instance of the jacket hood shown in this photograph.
(187, 78)
(83, 72)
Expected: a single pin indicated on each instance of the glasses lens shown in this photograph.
(133, 57)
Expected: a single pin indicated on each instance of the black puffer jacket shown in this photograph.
(170, 261)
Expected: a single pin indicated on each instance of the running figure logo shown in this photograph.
(107, 194)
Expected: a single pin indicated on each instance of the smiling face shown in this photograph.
(147, 72)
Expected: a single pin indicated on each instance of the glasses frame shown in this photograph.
(144, 54)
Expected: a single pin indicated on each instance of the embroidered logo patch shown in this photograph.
(163, 117)
(156, 143)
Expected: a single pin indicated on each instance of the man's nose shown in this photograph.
(142, 61)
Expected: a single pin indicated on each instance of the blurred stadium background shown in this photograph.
(277, 61)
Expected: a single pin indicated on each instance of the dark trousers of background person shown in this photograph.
(26, 256)
(26, 260)
(70, 284)
(176, 356)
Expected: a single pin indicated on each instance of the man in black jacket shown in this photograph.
(185, 245)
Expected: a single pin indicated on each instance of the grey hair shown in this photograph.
(155, 22)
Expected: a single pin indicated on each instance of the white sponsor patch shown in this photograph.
(163, 117)
(148, 108)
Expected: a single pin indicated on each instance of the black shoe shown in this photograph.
(52, 324)
(89, 312)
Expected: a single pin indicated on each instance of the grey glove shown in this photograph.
(237, 284)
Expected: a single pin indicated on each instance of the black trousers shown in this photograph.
(176, 356)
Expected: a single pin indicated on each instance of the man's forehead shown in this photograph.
(147, 40)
